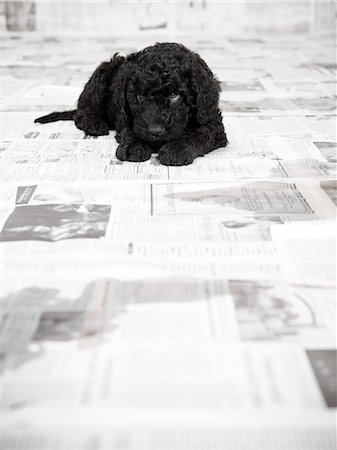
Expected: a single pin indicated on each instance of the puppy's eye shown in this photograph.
(140, 98)
(174, 98)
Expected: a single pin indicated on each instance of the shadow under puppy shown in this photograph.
(162, 99)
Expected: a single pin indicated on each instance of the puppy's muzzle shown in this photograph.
(156, 130)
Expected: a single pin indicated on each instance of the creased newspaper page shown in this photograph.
(292, 201)
(153, 307)
(223, 364)
(309, 252)
(58, 157)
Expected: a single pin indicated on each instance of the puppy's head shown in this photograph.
(166, 87)
(158, 93)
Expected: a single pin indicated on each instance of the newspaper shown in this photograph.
(154, 307)
(220, 363)
(58, 159)
(309, 251)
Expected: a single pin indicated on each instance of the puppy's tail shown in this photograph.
(55, 116)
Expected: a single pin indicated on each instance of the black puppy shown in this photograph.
(162, 99)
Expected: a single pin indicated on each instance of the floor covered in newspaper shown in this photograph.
(152, 307)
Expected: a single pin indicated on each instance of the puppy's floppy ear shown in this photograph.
(206, 89)
(125, 111)
(119, 87)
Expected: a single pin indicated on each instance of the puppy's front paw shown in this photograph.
(135, 152)
(175, 154)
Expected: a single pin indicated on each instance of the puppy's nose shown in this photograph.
(156, 130)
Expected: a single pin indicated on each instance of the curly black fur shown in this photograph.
(162, 99)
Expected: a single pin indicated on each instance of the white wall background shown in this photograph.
(113, 17)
